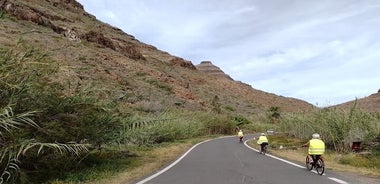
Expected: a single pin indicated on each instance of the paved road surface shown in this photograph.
(226, 161)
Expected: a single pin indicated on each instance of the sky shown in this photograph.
(325, 52)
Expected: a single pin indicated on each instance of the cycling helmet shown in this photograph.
(315, 136)
(263, 134)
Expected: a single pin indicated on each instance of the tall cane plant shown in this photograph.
(18, 68)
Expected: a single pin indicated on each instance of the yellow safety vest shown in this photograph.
(262, 139)
(240, 134)
(316, 147)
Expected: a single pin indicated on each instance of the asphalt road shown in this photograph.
(226, 161)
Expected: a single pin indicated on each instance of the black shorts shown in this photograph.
(315, 157)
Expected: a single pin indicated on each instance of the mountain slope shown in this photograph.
(89, 54)
(370, 103)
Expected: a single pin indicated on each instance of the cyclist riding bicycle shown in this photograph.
(240, 135)
(263, 141)
(316, 147)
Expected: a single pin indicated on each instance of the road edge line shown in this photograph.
(269, 155)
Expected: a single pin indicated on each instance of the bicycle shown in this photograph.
(264, 149)
(319, 164)
(241, 139)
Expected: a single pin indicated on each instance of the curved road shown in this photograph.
(226, 161)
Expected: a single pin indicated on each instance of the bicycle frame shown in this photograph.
(318, 164)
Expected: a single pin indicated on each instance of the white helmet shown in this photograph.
(316, 136)
(262, 134)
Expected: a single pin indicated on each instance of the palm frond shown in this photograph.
(77, 149)
(9, 121)
(11, 167)
(9, 156)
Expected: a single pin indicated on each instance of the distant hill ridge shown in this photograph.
(370, 103)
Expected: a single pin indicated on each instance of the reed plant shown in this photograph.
(338, 128)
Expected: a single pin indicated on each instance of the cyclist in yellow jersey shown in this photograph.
(263, 141)
(240, 135)
(316, 147)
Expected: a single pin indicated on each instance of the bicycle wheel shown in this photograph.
(309, 165)
(264, 149)
(320, 166)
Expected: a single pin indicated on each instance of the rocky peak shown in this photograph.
(211, 69)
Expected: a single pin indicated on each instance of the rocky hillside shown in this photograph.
(89, 54)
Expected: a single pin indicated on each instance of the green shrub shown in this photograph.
(240, 120)
(229, 108)
(219, 125)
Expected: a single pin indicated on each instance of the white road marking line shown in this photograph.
(243, 180)
(338, 180)
(269, 155)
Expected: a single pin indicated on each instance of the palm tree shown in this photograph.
(12, 146)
